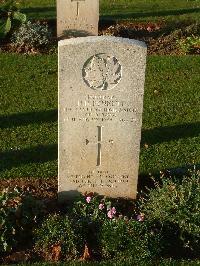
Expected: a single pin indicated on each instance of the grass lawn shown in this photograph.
(28, 110)
(28, 115)
(148, 10)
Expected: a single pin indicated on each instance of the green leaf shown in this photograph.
(2, 27)
(9, 5)
(19, 16)
(8, 25)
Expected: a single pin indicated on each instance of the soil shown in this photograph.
(38, 187)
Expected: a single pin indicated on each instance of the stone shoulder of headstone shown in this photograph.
(95, 39)
(101, 87)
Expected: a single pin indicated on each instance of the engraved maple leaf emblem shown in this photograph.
(102, 72)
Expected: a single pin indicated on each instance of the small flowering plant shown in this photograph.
(92, 208)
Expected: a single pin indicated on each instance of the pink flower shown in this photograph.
(113, 210)
(88, 199)
(101, 206)
(140, 217)
(111, 213)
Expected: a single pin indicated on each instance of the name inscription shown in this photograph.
(101, 108)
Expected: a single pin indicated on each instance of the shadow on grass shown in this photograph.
(38, 154)
(41, 13)
(149, 136)
(39, 10)
(165, 134)
(23, 119)
(162, 13)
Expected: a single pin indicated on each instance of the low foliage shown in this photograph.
(121, 239)
(55, 239)
(19, 213)
(96, 229)
(173, 207)
(190, 44)
(31, 36)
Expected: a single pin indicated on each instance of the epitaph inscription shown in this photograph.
(101, 87)
(96, 179)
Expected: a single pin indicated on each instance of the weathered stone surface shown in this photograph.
(101, 86)
(77, 18)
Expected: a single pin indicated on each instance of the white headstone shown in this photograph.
(101, 87)
(77, 18)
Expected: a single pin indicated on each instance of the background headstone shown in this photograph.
(77, 18)
(101, 86)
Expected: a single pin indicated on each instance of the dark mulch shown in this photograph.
(160, 38)
(39, 187)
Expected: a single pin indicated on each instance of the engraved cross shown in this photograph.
(77, 1)
(99, 144)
